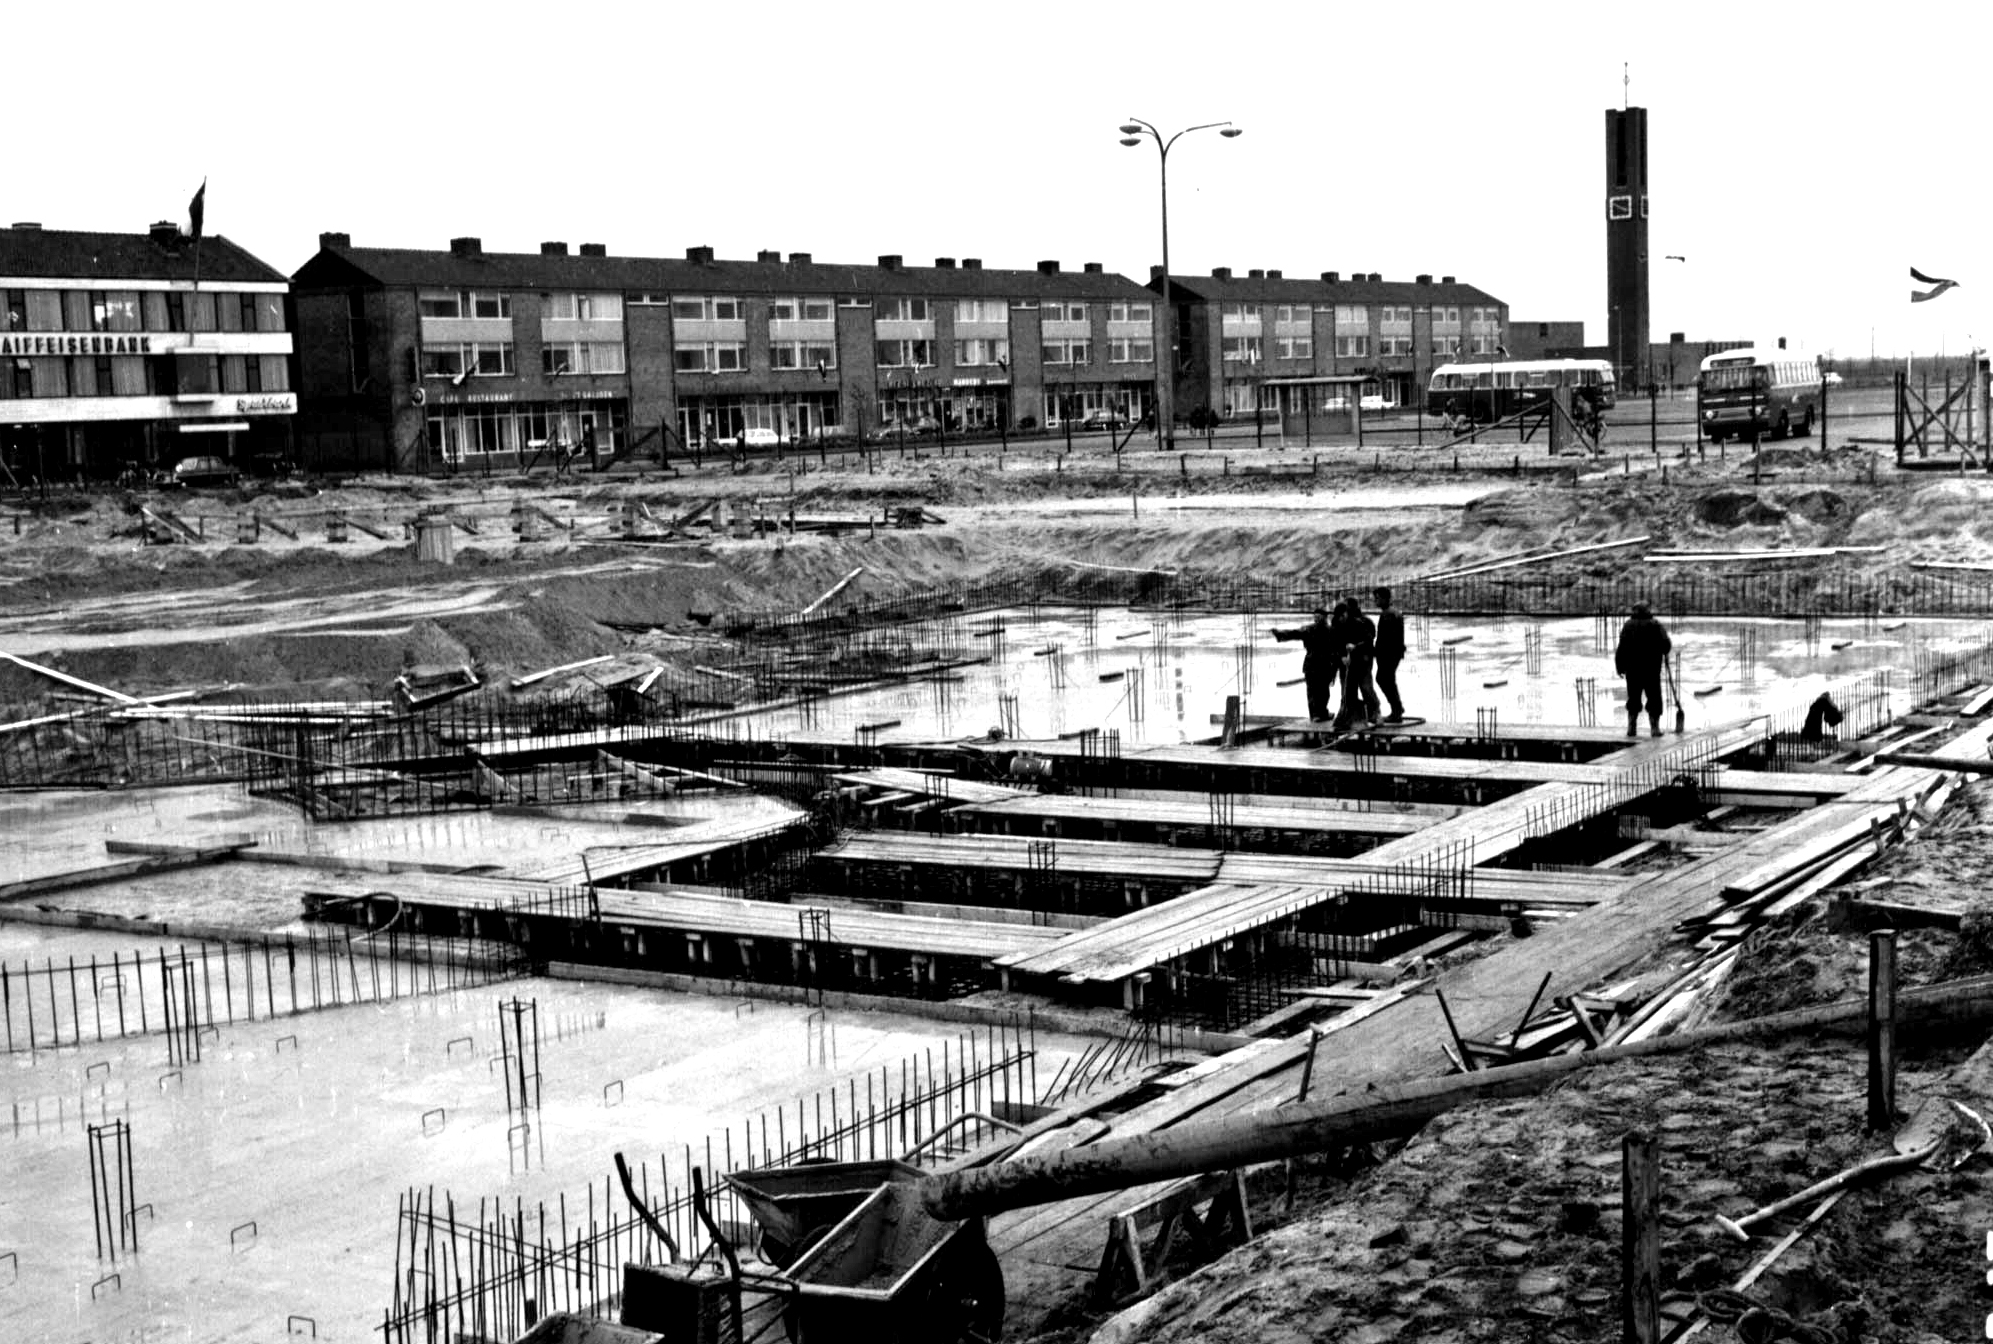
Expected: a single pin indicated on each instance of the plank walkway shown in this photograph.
(931, 784)
(713, 916)
(1188, 814)
(1401, 1039)
(698, 840)
(1464, 731)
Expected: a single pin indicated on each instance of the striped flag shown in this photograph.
(1940, 286)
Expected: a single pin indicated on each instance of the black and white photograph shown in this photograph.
(1041, 674)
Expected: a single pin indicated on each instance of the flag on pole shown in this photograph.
(197, 208)
(1922, 279)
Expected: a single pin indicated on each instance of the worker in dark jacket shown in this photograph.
(1359, 693)
(1390, 652)
(1642, 653)
(1323, 662)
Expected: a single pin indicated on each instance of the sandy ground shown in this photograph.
(1497, 1223)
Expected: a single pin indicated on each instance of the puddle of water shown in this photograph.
(1161, 680)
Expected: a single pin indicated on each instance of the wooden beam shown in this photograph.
(101, 692)
(1385, 1112)
(834, 590)
(113, 872)
(1475, 571)
(520, 683)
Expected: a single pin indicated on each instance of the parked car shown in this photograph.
(1376, 401)
(1101, 418)
(198, 471)
(829, 434)
(759, 437)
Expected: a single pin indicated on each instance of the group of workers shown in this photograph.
(1344, 644)
(1347, 645)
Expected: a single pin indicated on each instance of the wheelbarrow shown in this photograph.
(795, 1206)
(892, 1273)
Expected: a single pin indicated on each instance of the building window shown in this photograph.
(1241, 348)
(906, 354)
(1352, 318)
(1068, 352)
(1446, 345)
(995, 311)
(1388, 346)
(1131, 352)
(1295, 312)
(707, 308)
(1131, 312)
(802, 355)
(1053, 310)
(581, 357)
(711, 357)
(792, 309)
(493, 360)
(1237, 314)
(901, 310)
(578, 308)
(980, 352)
(485, 359)
(1352, 347)
(440, 305)
(1294, 347)
(650, 300)
(443, 361)
(117, 311)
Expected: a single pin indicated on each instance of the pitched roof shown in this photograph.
(63, 254)
(339, 266)
(1348, 289)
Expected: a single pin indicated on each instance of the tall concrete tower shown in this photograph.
(1626, 243)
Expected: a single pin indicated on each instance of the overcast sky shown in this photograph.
(1801, 161)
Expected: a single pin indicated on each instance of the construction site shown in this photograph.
(903, 894)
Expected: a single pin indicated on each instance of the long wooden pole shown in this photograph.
(1219, 1145)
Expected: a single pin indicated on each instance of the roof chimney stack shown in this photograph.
(889, 261)
(466, 247)
(972, 263)
(331, 240)
(1332, 277)
(553, 249)
(594, 250)
(699, 256)
(1221, 272)
(944, 263)
(1048, 268)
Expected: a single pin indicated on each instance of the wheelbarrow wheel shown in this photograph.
(783, 1254)
(964, 1304)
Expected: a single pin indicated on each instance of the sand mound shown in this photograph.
(1737, 508)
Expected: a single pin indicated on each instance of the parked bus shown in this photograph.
(1490, 391)
(1739, 393)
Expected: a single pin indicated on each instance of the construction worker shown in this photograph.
(1324, 660)
(1642, 653)
(1390, 652)
(1359, 637)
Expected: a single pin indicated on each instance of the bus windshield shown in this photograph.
(1732, 377)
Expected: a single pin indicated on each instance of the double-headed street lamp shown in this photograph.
(1132, 134)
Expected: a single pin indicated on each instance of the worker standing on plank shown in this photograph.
(1322, 663)
(1643, 651)
(1390, 652)
(1359, 694)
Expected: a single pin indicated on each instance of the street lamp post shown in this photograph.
(1132, 134)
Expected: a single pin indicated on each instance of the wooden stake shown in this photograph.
(1640, 1239)
(1882, 1029)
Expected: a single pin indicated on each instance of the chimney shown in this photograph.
(165, 233)
(553, 249)
(944, 263)
(27, 225)
(889, 261)
(466, 247)
(1273, 275)
(1256, 274)
(1446, 279)
(1424, 280)
(1221, 272)
(1091, 268)
(972, 263)
(330, 240)
(699, 256)
(1376, 277)
(799, 258)
(594, 250)
(1048, 268)
(1155, 271)
(1781, 342)
(765, 255)
(1331, 277)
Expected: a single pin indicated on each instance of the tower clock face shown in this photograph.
(1619, 207)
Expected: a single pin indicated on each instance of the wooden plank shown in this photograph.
(532, 678)
(115, 872)
(101, 692)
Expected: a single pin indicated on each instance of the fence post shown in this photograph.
(1640, 1240)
